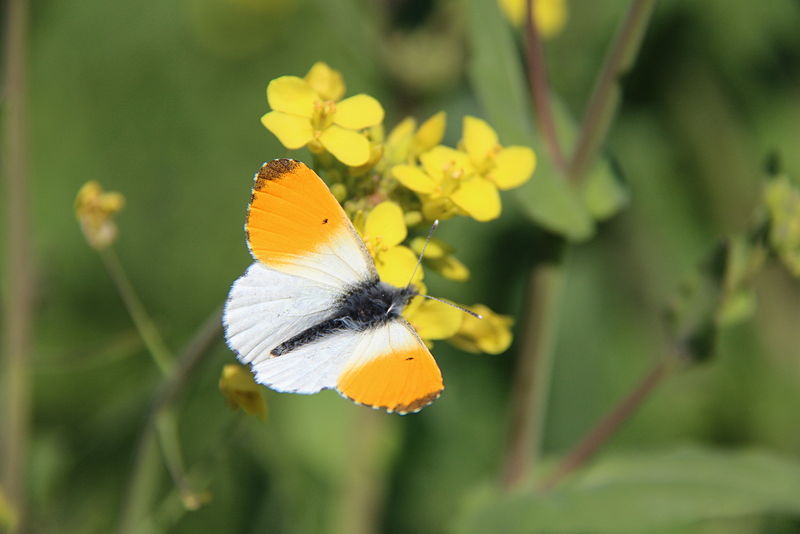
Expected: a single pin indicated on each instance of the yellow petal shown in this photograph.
(327, 82)
(430, 132)
(413, 178)
(241, 391)
(479, 139)
(412, 218)
(451, 268)
(479, 198)
(551, 15)
(292, 131)
(396, 265)
(398, 142)
(402, 132)
(357, 112)
(349, 147)
(386, 222)
(436, 248)
(443, 159)
(513, 167)
(435, 320)
(490, 334)
(441, 208)
(292, 95)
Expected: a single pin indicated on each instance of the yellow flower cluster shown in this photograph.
(393, 186)
(94, 209)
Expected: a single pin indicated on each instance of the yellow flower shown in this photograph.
(304, 113)
(506, 167)
(433, 319)
(439, 257)
(383, 230)
(241, 391)
(448, 184)
(491, 334)
(405, 142)
(551, 15)
(327, 82)
(94, 209)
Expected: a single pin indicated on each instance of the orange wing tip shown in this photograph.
(400, 409)
(272, 170)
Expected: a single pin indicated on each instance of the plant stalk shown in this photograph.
(18, 309)
(161, 355)
(606, 94)
(142, 486)
(591, 443)
(532, 377)
(540, 87)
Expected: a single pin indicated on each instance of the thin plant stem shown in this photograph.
(606, 94)
(531, 387)
(364, 485)
(18, 309)
(141, 490)
(540, 87)
(591, 443)
(161, 355)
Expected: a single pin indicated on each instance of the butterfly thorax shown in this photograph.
(369, 304)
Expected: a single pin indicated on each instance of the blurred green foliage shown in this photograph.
(161, 102)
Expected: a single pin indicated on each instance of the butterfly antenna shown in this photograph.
(422, 254)
(462, 308)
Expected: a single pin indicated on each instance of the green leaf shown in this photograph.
(737, 307)
(496, 73)
(640, 493)
(602, 191)
(499, 83)
(782, 199)
(549, 200)
(604, 194)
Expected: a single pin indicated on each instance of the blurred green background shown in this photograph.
(161, 102)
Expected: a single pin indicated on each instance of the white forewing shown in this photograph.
(266, 307)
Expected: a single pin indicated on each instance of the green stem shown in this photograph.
(18, 309)
(540, 87)
(161, 355)
(608, 425)
(143, 484)
(533, 374)
(364, 485)
(140, 495)
(605, 97)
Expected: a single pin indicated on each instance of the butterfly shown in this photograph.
(311, 313)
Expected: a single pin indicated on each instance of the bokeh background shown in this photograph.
(161, 102)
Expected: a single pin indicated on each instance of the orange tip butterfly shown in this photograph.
(311, 312)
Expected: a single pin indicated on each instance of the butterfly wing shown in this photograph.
(391, 368)
(266, 307)
(385, 367)
(296, 226)
(307, 253)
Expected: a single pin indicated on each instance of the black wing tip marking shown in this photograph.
(272, 170)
